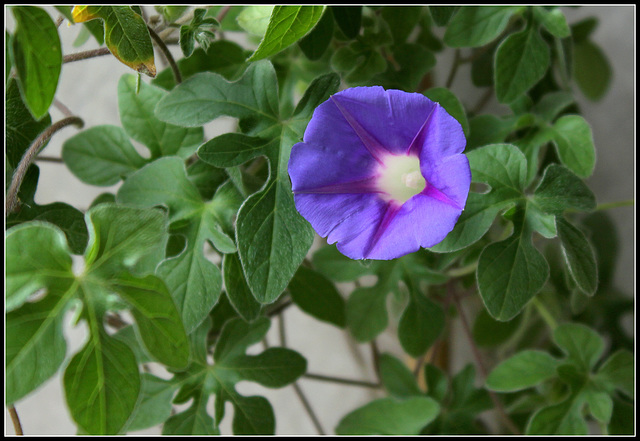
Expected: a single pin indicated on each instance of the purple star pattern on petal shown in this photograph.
(380, 172)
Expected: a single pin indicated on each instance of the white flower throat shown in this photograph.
(399, 178)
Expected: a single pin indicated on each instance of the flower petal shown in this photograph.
(391, 117)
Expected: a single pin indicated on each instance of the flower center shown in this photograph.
(400, 178)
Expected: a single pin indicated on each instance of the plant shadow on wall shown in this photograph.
(343, 133)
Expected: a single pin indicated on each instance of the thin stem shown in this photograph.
(222, 13)
(454, 69)
(15, 419)
(346, 381)
(309, 410)
(30, 155)
(62, 108)
(375, 356)
(483, 101)
(463, 271)
(167, 54)
(296, 387)
(50, 159)
(616, 204)
(479, 361)
(544, 313)
(85, 55)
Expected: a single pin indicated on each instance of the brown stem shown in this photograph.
(15, 419)
(30, 155)
(375, 356)
(479, 361)
(167, 54)
(296, 387)
(454, 69)
(347, 381)
(85, 54)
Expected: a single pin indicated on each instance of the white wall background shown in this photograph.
(88, 89)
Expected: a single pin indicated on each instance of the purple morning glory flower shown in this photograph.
(380, 172)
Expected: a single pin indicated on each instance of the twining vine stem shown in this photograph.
(30, 155)
(167, 54)
(15, 419)
(479, 361)
(296, 387)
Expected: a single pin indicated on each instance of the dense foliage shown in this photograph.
(185, 267)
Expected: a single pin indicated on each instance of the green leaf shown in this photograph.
(421, 324)
(238, 292)
(412, 62)
(287, 25)
(272, 237)
(511, 272)
(193, 421)
(521, 61)
(102, 384)
(564, 418)
(348, 19)
(442, 14)
(223, 57)
(617, 372)
(582, 345)
(35, 344)
(579, 256)
(121, 238)
(401, 21)
(206, 96)
(521, 371)
(274, 367)
(255, 19)
(336, 266)
(64, 216)
(316, 42)
(231, 149)
(194, 281)
(552, 104)
(367, 312)
(488, 332)
(397, 379)
(157, 318)
(389, 416)
(37, 57)
(600, 404)
(317, 296)
(591, 69)
(101, 155)
(561, 190)
(474, 26)
(139, 121)
(155, 402)
(553, 20)
(504, 168)
(126, 35)
(21, 129)
(40, 259)
(574, 144)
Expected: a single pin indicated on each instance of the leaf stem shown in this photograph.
(479, 361)
(454, 69)
(30, 155)
(167, 54)
(15, 419)
(544, 313)
(463, 271)
(346, 381)
(296, 387)
(85, 55)
(616, 204)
